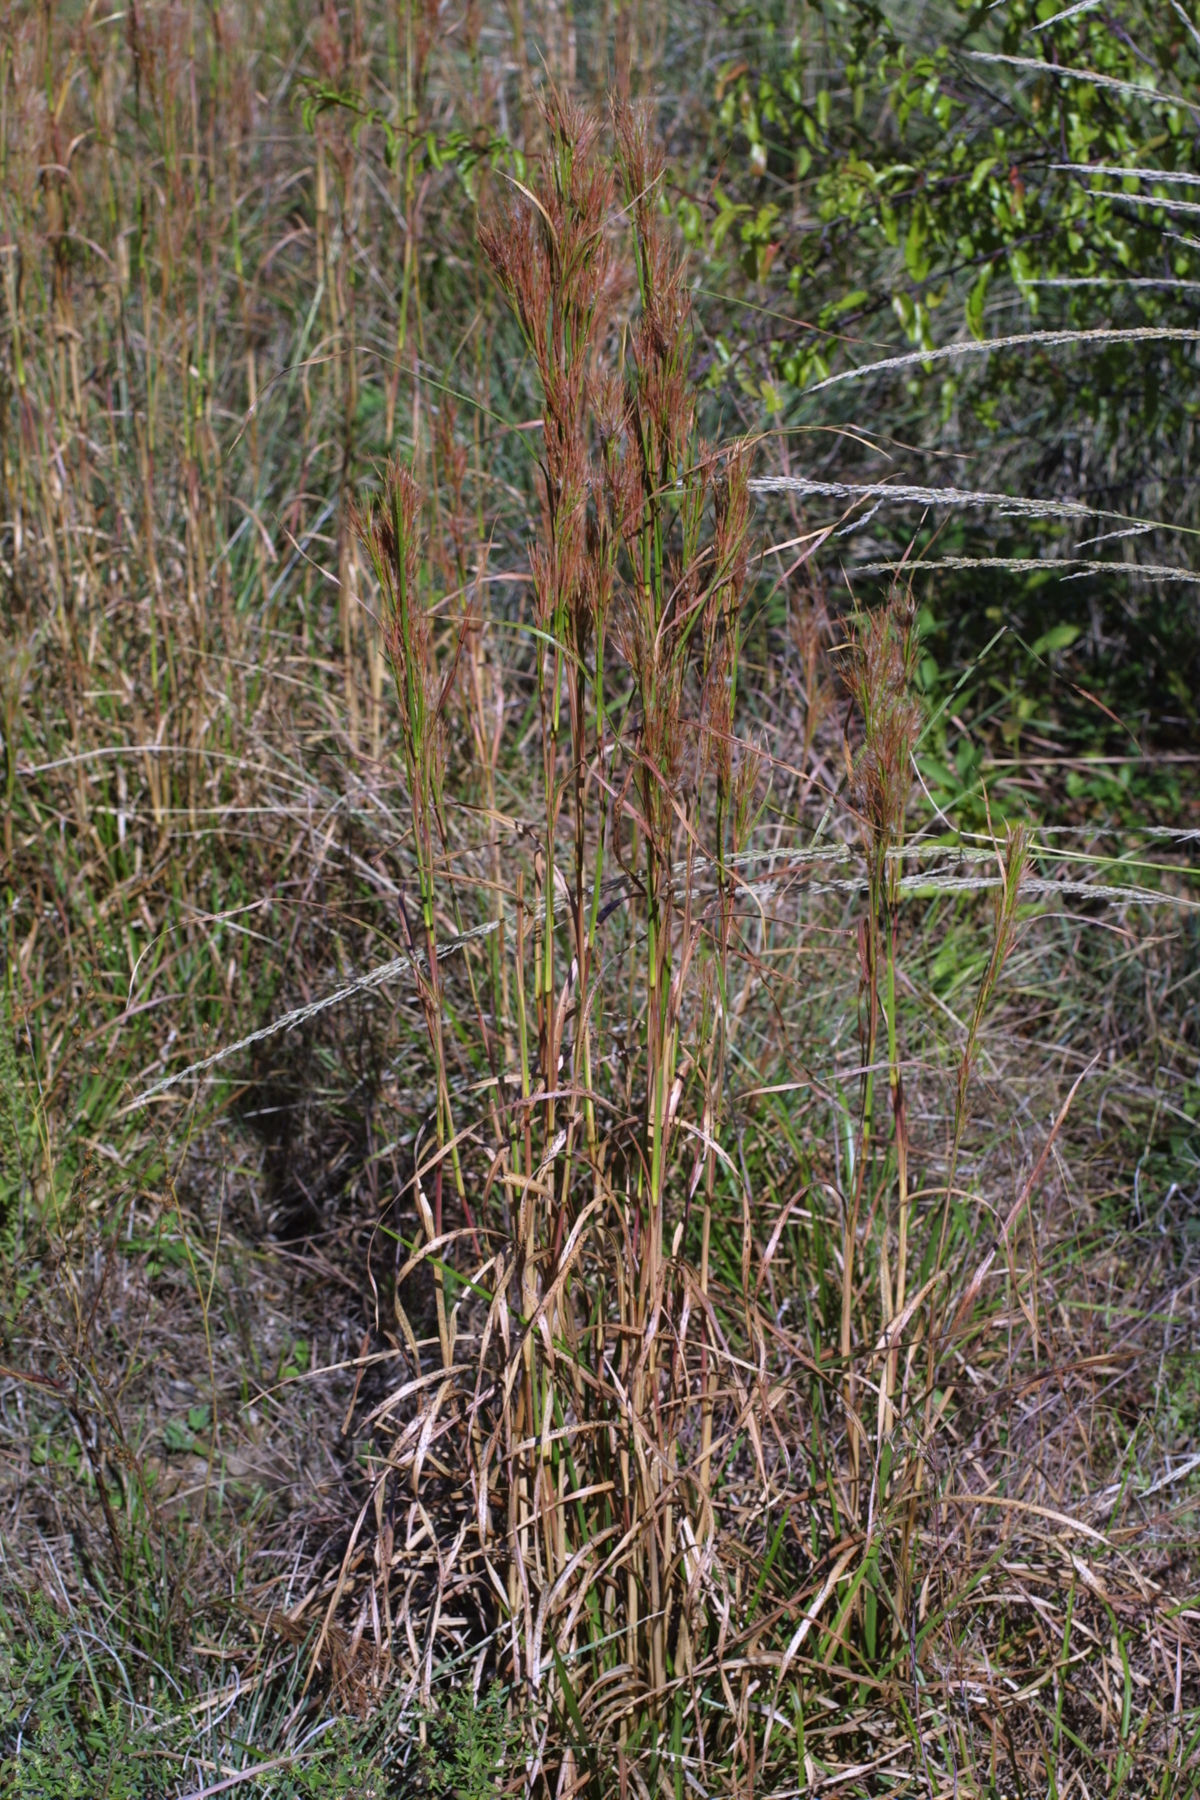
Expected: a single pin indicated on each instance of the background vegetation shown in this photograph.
(598, 1086)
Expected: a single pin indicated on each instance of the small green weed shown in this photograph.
(468, 1745)
(75, 1724)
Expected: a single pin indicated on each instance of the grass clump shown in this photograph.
(613, 1413)
(592, 1169)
